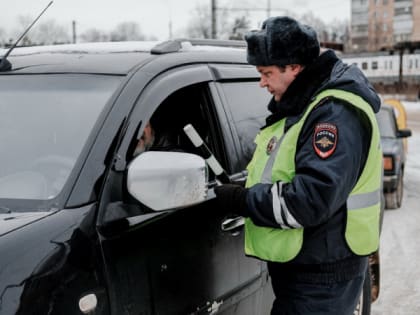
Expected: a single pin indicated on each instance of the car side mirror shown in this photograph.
(168, 180)
(404, 133)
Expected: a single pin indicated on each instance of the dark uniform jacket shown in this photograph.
(317, 195)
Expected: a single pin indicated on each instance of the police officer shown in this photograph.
(312, 197)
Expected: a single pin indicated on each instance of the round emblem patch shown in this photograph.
(325, 139)
(271, 145)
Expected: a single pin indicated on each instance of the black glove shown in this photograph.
(232, 198)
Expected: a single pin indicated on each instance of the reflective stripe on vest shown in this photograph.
(363, 204)
(359, 201)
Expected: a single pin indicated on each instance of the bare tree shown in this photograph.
(336, 31)
(2, 37)
(94, 35)
(126, 31)
(42, 33)
(23, 21)
(339, 30)
(50, 32)
(200, 25)
(310, 19)
(240, 26)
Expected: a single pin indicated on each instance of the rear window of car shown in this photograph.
(45, 121)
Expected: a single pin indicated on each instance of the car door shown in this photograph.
(171, 262)
(244, 103)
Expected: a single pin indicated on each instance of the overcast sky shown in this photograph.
(153, 16)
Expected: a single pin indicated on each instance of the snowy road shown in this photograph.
(400, 239)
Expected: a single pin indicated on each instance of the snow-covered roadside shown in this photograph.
(400, 246)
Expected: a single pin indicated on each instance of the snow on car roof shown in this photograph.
(99, 47)
(115, 57)
(110, 47)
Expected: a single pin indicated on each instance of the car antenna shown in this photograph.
(5, 64)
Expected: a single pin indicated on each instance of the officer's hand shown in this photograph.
(232, 198)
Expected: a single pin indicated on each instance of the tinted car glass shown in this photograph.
(248, 105)
(44, 123)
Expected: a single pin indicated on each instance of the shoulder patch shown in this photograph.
(271, 145)
(325, 139)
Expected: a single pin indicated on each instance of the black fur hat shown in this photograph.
(282, 41)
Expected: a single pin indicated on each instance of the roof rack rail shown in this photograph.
(175, 45)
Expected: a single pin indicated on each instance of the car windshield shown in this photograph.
(45, 121)
(386, 123)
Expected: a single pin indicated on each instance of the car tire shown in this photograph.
(393, 200)
(364, 305)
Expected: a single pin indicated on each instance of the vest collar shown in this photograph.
(299, 93)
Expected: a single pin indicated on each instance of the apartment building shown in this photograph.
(359, 25)
(380, 24)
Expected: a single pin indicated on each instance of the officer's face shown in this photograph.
(277, 79)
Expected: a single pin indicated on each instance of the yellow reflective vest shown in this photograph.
(363, 203)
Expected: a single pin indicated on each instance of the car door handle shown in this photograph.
(232, 224)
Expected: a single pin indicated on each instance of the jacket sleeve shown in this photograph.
(321, 186)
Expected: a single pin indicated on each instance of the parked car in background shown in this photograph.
(394, 153)
(401, 116)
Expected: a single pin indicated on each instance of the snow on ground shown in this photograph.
(400, 239)
(413, 115)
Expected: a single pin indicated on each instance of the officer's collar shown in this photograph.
(297, 96)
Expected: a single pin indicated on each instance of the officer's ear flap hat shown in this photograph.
(282, 41)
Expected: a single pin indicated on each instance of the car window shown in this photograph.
(387, 124)
(188, 105)
(248, 106)
(44, 123)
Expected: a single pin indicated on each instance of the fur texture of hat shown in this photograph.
(282, 41)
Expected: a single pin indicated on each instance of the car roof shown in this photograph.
(119, 58)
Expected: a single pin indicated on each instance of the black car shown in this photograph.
(85, 228)
(73, 239)
(394, 156)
